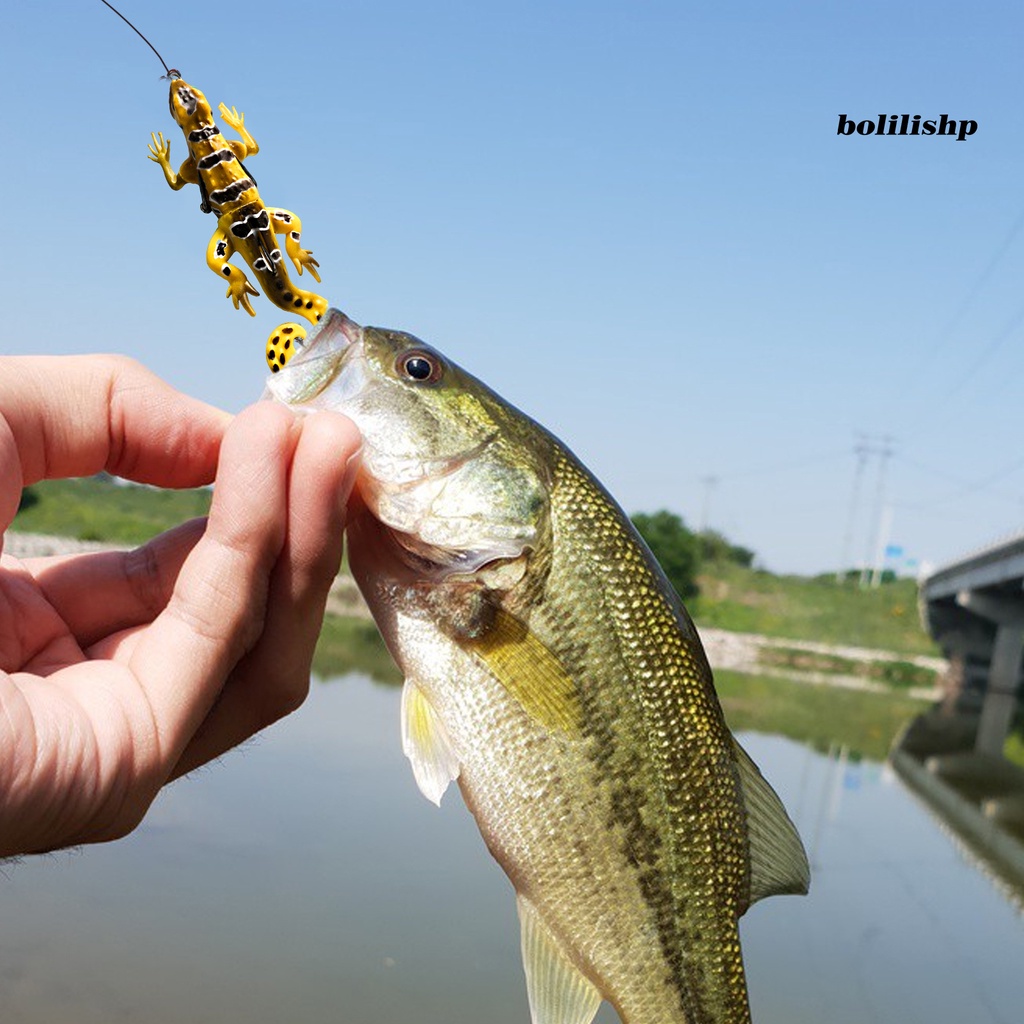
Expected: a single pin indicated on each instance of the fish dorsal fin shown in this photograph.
(778, 863)
(425, 742)
(558, 991)
(521, 662)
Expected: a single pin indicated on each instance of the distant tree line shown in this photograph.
(714, 547)
(681, 552)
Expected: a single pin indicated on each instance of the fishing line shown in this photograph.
(171, 72)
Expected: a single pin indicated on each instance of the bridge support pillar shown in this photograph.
(1001, 693)
(1004, 668)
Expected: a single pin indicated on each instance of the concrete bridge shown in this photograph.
(974, 608)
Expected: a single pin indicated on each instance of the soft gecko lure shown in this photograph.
(244, 223)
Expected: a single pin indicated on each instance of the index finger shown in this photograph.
(77, 415)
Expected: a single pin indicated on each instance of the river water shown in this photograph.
(304, 879)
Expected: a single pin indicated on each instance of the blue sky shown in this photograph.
(634, 220)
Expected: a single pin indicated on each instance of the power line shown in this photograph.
(982, 279)
(987, 354)
(710, 483)
(946, 332)
(783, 467)
(964, 488)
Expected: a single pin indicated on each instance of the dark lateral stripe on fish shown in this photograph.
(642, 848)
(202, 134)
(221, 156)
(678, 935)
(255, 222)
(231, 192)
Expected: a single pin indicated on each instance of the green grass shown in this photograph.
(900, 675)
(1013, 749)
(732, 596)
(817, 715)
(799, 608)
(94, 508)
(353, 645)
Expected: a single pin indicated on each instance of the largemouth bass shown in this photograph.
(552, 670)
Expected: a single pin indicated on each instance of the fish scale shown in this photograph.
(552, 670)
(677, 726)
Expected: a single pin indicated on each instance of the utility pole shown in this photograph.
(861, 450)
(884, 531)
(874, 551)
(710, 483)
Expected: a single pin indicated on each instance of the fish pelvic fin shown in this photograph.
(426, 743)
(778, 862)
(558, 991)
(522, 663)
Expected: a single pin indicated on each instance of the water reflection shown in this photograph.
(306, 879)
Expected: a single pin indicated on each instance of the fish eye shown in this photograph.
(420, 367)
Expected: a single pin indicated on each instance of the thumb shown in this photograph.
(217, 609)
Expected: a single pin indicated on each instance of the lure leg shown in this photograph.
(218, 252)
(282, 344)
(233, 119)
(284, 222)
(160, 153)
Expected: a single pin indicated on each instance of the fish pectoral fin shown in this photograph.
(778, 862)
(557, 989)
(426, 743)
(524, 665)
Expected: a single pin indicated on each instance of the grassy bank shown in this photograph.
(900, 675)
(732, 597)
(800, 608)
(94, 508)
(865, 722)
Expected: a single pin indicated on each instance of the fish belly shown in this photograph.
(548, 818)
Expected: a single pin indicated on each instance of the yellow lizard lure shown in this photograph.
(244, 224)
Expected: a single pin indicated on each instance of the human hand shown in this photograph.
(121, 670)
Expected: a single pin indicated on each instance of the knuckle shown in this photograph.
(118, 366)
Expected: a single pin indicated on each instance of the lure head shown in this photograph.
(189, 107)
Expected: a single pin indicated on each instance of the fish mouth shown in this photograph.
(317, 361)
(335, 332)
